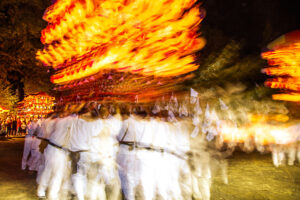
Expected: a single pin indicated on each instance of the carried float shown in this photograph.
(36, 105)
(120, 50)
(284, 65)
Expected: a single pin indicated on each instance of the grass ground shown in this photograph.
(251, 177)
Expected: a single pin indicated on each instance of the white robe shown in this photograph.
(127, 159)
(44, 131)
(29, 154)
(57, 163)
(155, 171)
(84, 139)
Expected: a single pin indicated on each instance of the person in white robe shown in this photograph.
(146, 160)
(108, 149)
(44, 131)
(36, 158)
(127, 158)
(27, 156)
(95, 139)
(171, 159)
(285, 147)
(180, 130)
(204, 158)
(57, 163)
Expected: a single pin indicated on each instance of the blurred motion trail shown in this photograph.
(251, 177)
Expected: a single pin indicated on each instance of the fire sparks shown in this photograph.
(145, 37)
(285, 59)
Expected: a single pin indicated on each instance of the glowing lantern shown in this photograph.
(284, 59)
(86, 39)
(36, 104)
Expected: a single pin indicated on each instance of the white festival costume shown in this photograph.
(127, 159)
(109, 148)
(85, 133)
(97, 141)
(57, 164)
(286, 146)
(29, 155)
(155, 160)
(44, 131)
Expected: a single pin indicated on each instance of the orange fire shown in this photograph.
(286, 62)
(147, 37)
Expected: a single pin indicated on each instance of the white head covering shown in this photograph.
(194, 95)
(207, 113)
(156, 108)
(197, 109)
(223, 105)
(171, 116)
(183, 110)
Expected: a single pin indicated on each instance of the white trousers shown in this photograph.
(156, 173)
(56, 172)
(94, 173)
(26, 151)
(129, 171)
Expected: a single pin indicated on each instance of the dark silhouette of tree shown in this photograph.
(20, 26)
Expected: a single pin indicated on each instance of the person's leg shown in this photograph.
(59, 171)
(95, 183)
(112, 183)
(79, 179)
(292, 148)
(26, 151)
(205, 184)
(275, 156)
(36, 160)
(46, 173)
(127, 164)
(174, 184)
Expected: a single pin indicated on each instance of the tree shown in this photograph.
(7, 99)
(20, 26)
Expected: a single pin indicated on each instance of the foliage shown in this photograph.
(20, 26)
(7, 99)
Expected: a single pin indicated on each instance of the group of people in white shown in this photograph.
(164, 151)
(104, 152)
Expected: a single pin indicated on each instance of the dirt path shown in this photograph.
(14, 183)
(254, 177)
(251, 177)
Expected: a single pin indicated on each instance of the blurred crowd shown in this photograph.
(169, 150)
(14, 125)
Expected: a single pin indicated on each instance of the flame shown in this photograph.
(138, 36)
(286, 59)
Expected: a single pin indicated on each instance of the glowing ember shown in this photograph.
(286, 61)
(138, 36)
